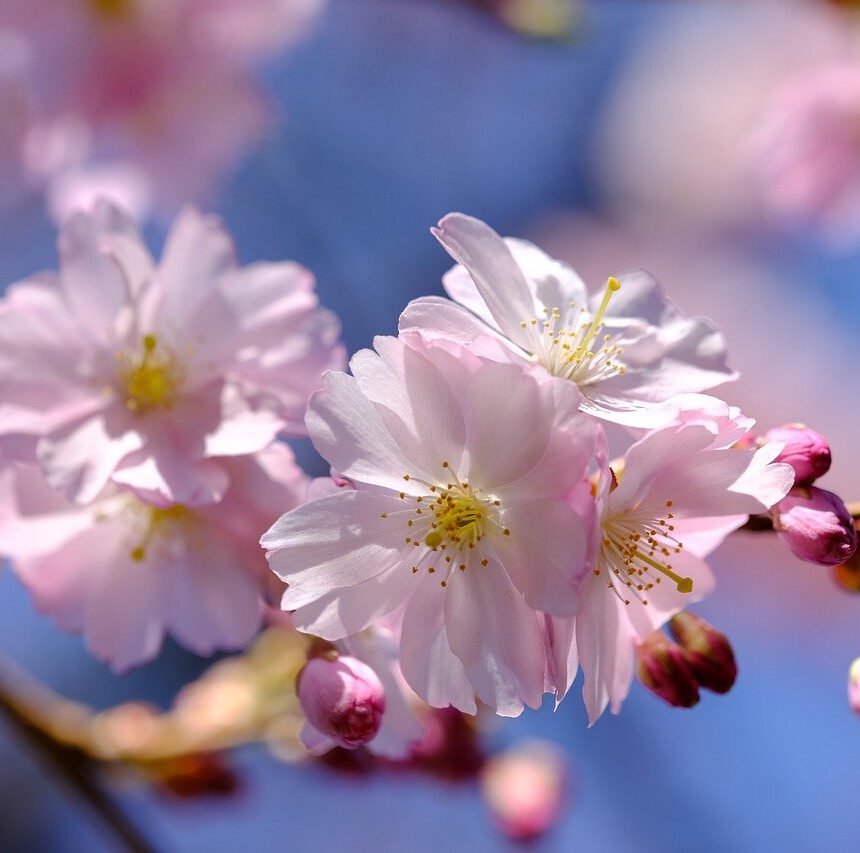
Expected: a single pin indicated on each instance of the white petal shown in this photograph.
(429, 666)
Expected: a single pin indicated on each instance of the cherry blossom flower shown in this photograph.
(806, 150)
(459, 521)
(678, 493)
(120, 368)
(125, 573)
(178, 109)
(626, 350)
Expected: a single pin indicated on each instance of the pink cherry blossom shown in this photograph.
(806, 150)
(459, 519)
(681, 489)
(627, 349)
(124, 573)
(118, 368)
(178, 108)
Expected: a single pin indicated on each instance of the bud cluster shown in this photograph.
(814, 523)
(701, 657)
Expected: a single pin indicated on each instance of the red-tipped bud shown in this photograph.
(525, 789)
(342, 698)
(663, 669)
(854, 687)
(806, 450)
(707, 652)
(816, 525)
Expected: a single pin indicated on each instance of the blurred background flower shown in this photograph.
(626, 145)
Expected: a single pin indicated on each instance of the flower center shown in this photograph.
(636, 553)
(449, 523)
(567, 344)
(161, 523)
(151, 379)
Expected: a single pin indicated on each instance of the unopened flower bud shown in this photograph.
(342, 698)
(525, 789)
(806, 450)
(662, 668)
(707, 652)
(816, 525)
(854, 687)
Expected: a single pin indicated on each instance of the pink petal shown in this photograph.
(496, 274)
(497, 637)
(429, 666)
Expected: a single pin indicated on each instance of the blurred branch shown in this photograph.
(764, 523)
(246, 698)
(19, 701)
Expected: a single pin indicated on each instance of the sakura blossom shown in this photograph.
(178, 109)
(124, 573)
(805, 150)
(459, 525)
(120, 369)
(677, 493)
(627, 350)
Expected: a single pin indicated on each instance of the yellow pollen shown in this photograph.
(150, 380)
(460, 518)
(160, 521)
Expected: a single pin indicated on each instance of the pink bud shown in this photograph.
(707, 652)
(662, 669)
(854, 687)
(342, 698)
(816, 525)
(525, 789)
(806, 450)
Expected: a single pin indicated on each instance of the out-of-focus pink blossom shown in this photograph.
(525, 789)
(806, 450)
(662, 668)
(343, 699)
(459, 518)
(177, 109)
(672, 143)
(627, 349)
(122, 369)
(816, 525)
(681, 490)
(806, 150)
(124, 573)
(854, 687)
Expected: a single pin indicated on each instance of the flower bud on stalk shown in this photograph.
(854, 686)
(663, 669)
(707, 652)
(342, 698)
(816, 526)
(806, 450)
